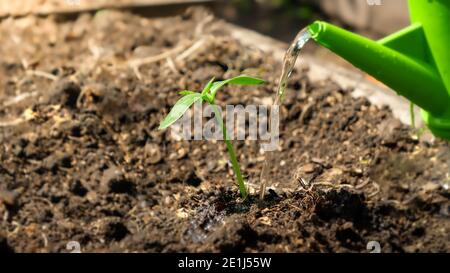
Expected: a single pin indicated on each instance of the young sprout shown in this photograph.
(208, 95)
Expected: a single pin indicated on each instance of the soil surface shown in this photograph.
(81, 158)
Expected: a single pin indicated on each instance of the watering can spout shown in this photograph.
(408, 73)
(407, 61)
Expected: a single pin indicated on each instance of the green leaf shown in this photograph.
(208, 86)
(179, 109)
(241, 80)
(187, 92)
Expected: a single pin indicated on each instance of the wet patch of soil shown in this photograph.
(81, 158)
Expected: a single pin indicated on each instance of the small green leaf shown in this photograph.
(241, 80)
(179, 109)
(187, 92)
(208, 86)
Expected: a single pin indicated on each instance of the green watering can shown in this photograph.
(415, 61)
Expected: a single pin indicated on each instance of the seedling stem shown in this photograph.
(232, 154)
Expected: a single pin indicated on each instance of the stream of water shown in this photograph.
(288, 65)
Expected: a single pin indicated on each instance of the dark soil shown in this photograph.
(81, 158)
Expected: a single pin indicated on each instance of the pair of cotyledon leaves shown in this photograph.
(208, 94)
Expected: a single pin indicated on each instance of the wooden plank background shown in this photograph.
(43, 7)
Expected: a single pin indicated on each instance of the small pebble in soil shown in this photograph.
(152, 153)
(308, 168)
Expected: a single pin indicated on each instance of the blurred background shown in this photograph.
(280, 19)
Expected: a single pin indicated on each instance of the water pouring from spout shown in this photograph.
(288, 66)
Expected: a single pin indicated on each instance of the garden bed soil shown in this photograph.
(81, 158)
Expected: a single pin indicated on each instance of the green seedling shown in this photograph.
(208, 95)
